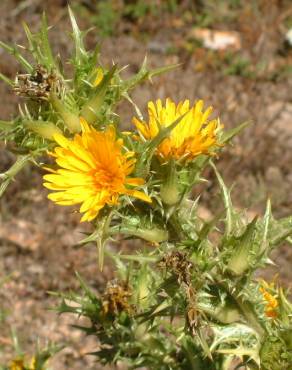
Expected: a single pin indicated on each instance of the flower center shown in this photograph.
(107, 178)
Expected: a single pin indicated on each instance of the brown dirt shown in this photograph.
(38, 240)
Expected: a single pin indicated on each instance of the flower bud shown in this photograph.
(169, 191)
(70, 119)
(154, 235)
(92, 107)
(98, 76)
(142, 288)
(244, 249)
(238, 262)
(47, 130)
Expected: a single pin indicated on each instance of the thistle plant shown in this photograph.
(189, 297)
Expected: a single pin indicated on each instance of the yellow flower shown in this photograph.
(193, 135)
(271, 301)
(93, 171)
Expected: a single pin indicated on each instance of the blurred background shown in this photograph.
(234, 54)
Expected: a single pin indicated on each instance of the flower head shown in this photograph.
(93, 171)
(192, 136)
(271, 301)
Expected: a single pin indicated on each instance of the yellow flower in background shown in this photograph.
(193, 135)
(271, 301)
(93, 171)
(17, 364)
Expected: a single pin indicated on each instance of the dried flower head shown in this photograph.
(177, 263)
(93, 171)
(193, 135)
(116, 298)
(36, 85)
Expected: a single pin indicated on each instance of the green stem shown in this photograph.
(176, 225)
(7, 177)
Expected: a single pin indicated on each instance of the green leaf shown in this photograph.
(39, 45)
(230, 213)
(71, 120)
(138, 258)
(30, 38)
(6, 126)
(43, 355)
(80, 52)
(48, 58)
(207, 228)
(148, 150)
(267, 221)
(6, 80)
(8, 176)
(14, 51)
(239, 260)
(85, 288)
(165, 69)
(283, 230)
(91, 108)
(145, 74)
(229, 135)
(204, 344)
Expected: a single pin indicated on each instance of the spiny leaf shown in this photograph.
(207, 228)
(48, 58)
(85, 288)
(145, 74)
(42, 356)
(80, 51)
(33, 45)
(148, 150)
(6, 126)
(90, 238)
(230, 214)
(228, 135)
(138, 258)
(14, 51)
(39, 45)
(160, 70)
(6, 80)
(282, 231)
(91, 108)
(204, 344)
(239, 260)
(8, 176)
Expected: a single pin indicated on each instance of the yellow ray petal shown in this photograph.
(140, 195)
(135, 181)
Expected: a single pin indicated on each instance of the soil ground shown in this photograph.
(38, 240)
